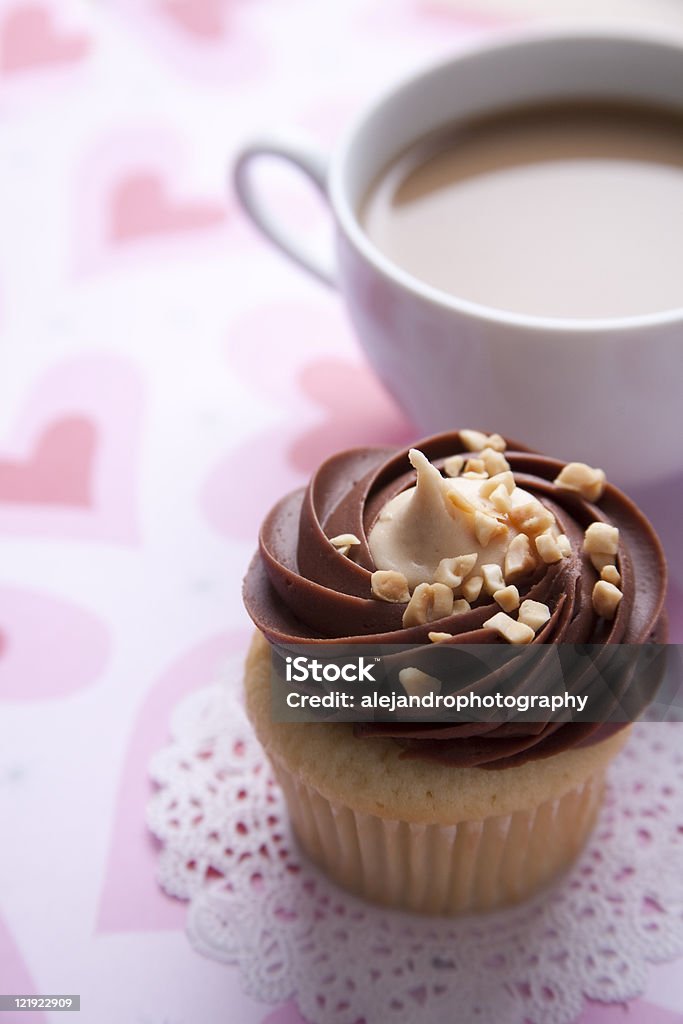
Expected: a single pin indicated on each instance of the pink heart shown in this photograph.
(58, 472)
(140, 206)
(131, 898)
(632, 1013)
(15, 976)
(288, 1013)
(50, 647)
(69, 466)
(355, 411)
(30, 39)
(206, 40)
(358, 412)
(343, 405)
(241, 519)
(202, 18)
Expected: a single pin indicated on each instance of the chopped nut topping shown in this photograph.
(344, 542)
(500, 499)
(446, 574)
(476, 466)
(465, 564)
(611, 574)
(486, 528)
(494, 461)
(507, 598)
(474, 440)
(601, 539)
(496, 442)
(389, 585)
(601, 561)
(533, 614)
(437, 638)
(548, 548)
(506, 479)
(453, 465)
(471, 588)
(564, 544)
(532, 517)
(606, 598)
(417, 683)
(519, 558)
(586, 481)
(460, 501)
(430, 601)
(460, 607)
(493, 578)
(452, 571)
(512, 631)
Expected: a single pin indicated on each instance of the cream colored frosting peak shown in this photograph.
(422, 525)
(429, 499)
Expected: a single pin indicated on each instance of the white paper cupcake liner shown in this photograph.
(443, 869)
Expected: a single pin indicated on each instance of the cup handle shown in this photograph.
(314, 165)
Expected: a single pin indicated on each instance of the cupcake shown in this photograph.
(465, 539)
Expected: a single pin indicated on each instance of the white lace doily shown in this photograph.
(255, 901)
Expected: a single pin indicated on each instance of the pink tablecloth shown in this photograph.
(164, 377)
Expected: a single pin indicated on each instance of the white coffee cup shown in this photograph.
(607, 391)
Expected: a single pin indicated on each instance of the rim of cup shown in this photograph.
(501, 40)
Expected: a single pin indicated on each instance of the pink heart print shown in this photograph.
(639, 1012)
(357, 411)
(343, 405)
(30, 39)
(131, 898)
(288, 1013)
(205, 40)
(72, 652)
(204, 19)
(69, 465)
(15, 975)
(347, 407)
(58, 471)
(141, 206)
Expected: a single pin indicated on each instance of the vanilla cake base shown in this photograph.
(422, 836)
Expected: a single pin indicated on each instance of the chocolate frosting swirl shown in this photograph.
(300, 589)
